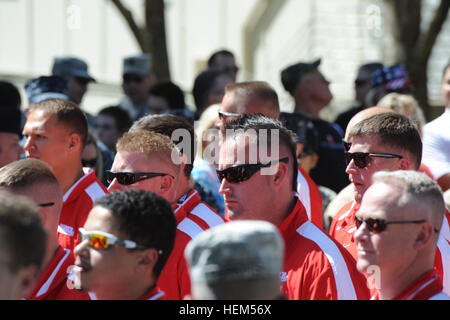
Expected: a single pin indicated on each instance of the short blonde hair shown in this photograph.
(404, 104)
(148, 143)
(206, 121)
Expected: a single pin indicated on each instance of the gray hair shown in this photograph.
(418, 189)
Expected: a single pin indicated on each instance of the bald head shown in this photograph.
(364, 114)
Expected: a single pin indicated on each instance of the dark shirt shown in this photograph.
(344, 118)
(330, 169)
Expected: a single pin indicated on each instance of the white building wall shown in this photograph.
(344, 33)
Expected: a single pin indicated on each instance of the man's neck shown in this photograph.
(392, 285)
(184, 186)
(67, 178)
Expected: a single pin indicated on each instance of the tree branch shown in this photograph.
(428, 39)
(135, 29)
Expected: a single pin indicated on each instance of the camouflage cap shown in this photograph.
(140, 65)
(236, 250)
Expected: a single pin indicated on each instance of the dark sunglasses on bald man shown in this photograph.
(379, 225)
(242, 172)
(127, 178)
(361, 159)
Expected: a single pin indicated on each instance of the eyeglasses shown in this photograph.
(379, 225)
(47, 204)
(347, 145)
(361, 159)
(224, 115)
(127, 178)
(242, 172)
(89, 163)
(102, 240)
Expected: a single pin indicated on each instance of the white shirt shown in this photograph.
(436, 145)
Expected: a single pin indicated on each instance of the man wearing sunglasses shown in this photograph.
(259, 97)
(386, 141)
(261, 185)
(56, 133)
(398, 229)
(34, 179)
(126, 241)
(144, 161)
(383, 142)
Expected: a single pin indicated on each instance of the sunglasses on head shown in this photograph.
(127, 178)
(379, 225)
(224, 115)
(242, 172)
(89, 163)
(102, 240)
(361, 159)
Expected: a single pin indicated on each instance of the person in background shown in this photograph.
(22, 246)
(398, 228)
(34, 179)
(362, 88)
(169, 98)
(204, 170)
(311, 93)
(110, 124)
(209, 88)
(75, 72)
(240, 260)
(10, 132)
(92, 158)
(137, 78)
(224, 60)
(436, 139)
(126, 241)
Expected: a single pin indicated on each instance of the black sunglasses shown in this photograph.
(127, 178)
(89, 163)
(379, 225)
(361, 159)
(242, 172)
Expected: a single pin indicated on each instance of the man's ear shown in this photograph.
(167, 184)
(281, 174)
(424, 236)
(75, 142)
(146, 260)
(26, 278)
(405, 164)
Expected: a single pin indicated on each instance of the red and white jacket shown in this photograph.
(53, 283)
(316, 267)
(427, 287)
(309, 195)
(343, 228)
(154, 294)
(77, 202)
(193, 217)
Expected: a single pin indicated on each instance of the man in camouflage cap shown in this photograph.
(236, 260)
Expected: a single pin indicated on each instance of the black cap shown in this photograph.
(10, 118)
(291, 75)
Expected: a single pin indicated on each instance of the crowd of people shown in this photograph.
(152, 199)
